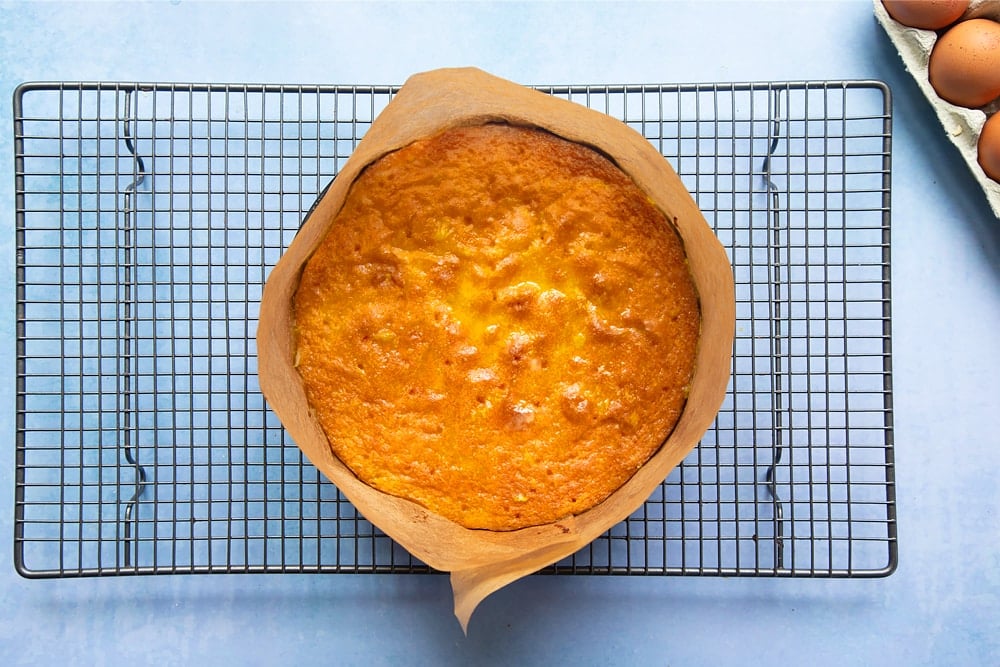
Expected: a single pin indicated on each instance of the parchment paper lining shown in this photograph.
(480, 561)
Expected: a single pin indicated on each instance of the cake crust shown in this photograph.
(499, 325)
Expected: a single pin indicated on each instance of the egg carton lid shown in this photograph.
(963, 126)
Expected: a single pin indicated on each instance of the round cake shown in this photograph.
(499, 325)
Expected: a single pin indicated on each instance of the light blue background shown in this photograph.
(941, 607)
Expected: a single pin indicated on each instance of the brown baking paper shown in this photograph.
(482, 561)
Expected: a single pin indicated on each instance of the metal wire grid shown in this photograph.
(148, 217)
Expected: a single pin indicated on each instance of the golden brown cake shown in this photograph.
(499, 325)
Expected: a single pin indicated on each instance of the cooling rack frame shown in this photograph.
(147, 216)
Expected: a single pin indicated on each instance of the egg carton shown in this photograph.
(963, 126)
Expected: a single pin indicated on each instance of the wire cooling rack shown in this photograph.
(149, 215)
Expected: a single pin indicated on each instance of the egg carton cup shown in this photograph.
(962, 125)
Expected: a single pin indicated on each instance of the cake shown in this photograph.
(498, 325)
(620, 298)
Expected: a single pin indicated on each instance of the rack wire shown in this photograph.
(149, 215)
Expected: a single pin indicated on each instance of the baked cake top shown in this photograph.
(499, 325)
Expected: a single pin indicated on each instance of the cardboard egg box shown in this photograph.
(962, 125)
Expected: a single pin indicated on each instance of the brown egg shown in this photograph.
(964, 66)
(989, 147)
(926, 14)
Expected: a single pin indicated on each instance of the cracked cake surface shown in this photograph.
(499, 325)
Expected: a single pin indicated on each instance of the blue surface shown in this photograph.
(942, 606)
